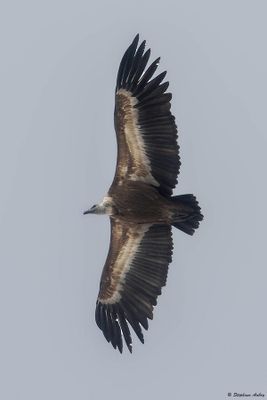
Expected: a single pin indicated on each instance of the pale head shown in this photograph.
(104, 207)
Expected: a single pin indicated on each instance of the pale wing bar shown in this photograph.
(134, 273)
(144, 123)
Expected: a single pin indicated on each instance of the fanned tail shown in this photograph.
(187, 213)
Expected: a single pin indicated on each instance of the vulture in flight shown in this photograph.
(139, 202)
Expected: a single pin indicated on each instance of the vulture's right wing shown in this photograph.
(132, 278)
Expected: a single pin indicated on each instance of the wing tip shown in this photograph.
(136, 38)
(113, 322)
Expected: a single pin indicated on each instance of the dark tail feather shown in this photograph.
(188, 213)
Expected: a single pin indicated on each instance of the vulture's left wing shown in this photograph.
(134, 273)
(145, 128)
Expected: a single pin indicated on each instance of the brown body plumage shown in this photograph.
(139, 202)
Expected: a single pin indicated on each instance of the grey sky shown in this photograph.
(59, 61)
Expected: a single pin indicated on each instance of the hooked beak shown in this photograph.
(90, 211)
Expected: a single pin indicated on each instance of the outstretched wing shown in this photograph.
(145, 128)
(134, 273)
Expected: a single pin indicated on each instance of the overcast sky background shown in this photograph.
(58, 66)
